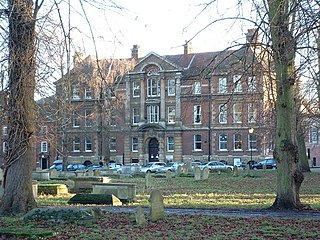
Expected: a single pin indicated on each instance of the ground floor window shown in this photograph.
(197, 142)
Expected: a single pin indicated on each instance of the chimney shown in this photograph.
(135, 52)
(252, 36)
(77, 58)
(187, 48)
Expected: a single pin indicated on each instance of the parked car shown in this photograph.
(57, 165)
(215, 165)
(151, 167)
(265, 164)
(113, 165)
(94, 166)
(75, 167)
(129, 168)
(170, 167)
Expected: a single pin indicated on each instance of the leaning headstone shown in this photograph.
(205, 173)
(148, 180)
(157, 207)
(168, 174)
(197, 173)
(140, 217)
(180, 169)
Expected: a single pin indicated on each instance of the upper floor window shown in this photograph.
(75, 120)
(252, 142)
(171, 114)
(237, 113)
(223, 114)
(5, 147)
(134, 144)
(252, 112)
(222, 87)
(197, 114)
(237, 143)
(75, 93)
(44, 146)
(153, 87)
(197, 142)
(237, 87)
(197, 88)
(88, 145)
(170, 144)
(314, 135)
(44, 130)
(252, 83)
(135, 89)
(135, 115)
(171, 87)
(112, 144)
(153, 114)
(76, 145)
(88, 93)
(223, 142)
(88, 117)
(5, 131)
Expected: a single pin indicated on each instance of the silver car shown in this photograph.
(215, 165)
(151, 167)
(170, 167)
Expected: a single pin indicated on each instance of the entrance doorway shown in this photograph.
(153, 150)
(44, 162)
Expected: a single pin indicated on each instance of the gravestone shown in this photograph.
(140, 217)
(197, 173)
(157, 207)
(148, 180)
(90, 172)
(188, 167)
(205, 173)
(168, 174)
(97, 172)
(54, 174)
(1, 176)
(235, 171)
(180, 169)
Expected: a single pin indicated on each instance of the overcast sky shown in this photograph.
(158, 26)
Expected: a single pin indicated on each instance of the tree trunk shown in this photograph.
(18, 196)
(289, 175)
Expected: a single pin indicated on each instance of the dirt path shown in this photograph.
(245, 213)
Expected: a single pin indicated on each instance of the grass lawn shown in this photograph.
(253, 190)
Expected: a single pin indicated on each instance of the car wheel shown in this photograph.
(229, 169)
(148, 171)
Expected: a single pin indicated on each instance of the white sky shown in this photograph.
(158, 26)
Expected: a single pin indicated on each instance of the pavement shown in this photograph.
(244, 213)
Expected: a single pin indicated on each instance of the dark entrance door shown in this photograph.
(44, 162)
(153, 150)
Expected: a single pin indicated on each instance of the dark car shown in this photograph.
(265, 164)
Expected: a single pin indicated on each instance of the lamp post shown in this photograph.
(250, 143)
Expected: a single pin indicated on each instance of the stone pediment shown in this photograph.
(150, 127)
(152, 58)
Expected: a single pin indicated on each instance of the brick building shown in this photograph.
(185, 107)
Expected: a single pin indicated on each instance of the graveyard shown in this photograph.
(137, 206)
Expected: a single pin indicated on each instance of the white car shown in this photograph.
(152, 167)
(215, 165)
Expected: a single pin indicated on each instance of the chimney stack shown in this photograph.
(252, 36)
(187, 48)
(135, 52)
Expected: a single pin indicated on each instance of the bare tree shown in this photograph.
(18, 195)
